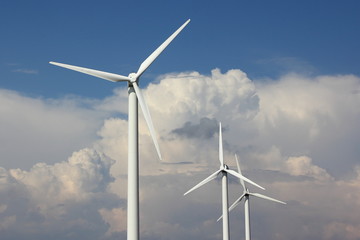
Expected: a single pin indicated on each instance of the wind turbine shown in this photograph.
(223, 170)
(135, 96)
(246, 195)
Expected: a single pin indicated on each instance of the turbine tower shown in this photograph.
(223, 170)
(135, 97)
(246, 196)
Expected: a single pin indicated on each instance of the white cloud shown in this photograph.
(85, 172)
(183, 97)
(312, 116)
(44, 130)
(303, 131)
(65, 196)
(302, 166)
(116, 218)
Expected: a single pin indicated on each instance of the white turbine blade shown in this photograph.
(266, 197)
(221, 152)
(105, 75)
(158, 51)
(234, 205)
(147, 117)
(239, 170)
(232, 172)
(236, 202)
(206, 180)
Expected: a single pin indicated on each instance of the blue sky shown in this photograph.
(263, 38)
(282, 77)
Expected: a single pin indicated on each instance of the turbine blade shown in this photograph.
(233, 205)
(147, 117)
(236, 202)
(232, 172)
(266, 197)
(104, 75)
(206, 180)
(239, 170)
(158, 51)
(221, 152)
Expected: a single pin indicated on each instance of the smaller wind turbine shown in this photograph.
(246, 195)
(224, 170)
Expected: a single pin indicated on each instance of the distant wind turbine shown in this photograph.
(224, 170)
(246, 195)
(135, 96)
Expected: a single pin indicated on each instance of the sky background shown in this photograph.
(283, 77)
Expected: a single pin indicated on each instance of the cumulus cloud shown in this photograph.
(302, 166)
(116, 218)
(191, 96)
(295, 135)
(294, 125)
(84, 173)
(67, 196)
(312, 115)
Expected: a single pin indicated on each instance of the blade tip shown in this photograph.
(55, 63)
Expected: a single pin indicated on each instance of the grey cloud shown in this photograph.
(206, 129)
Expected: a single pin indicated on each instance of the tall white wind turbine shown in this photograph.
(224, 170)
(135, 96)
(246, 195)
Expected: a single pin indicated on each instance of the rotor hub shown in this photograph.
(132, 77)
(224, 167)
